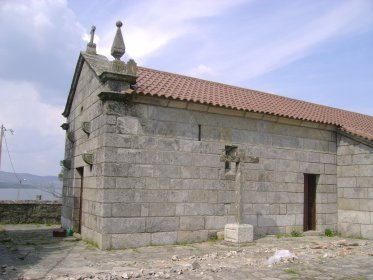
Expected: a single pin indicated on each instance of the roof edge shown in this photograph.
(74, 83)
(366, 141)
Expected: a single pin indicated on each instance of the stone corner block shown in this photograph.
(238, 233)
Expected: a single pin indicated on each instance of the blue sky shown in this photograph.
(318, 51)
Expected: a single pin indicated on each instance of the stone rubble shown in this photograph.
(317, 258)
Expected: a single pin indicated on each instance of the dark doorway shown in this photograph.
(80, 171)
(309, 221)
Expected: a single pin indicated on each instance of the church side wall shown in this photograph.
(86, 107)
(162, 185)
(355, 188)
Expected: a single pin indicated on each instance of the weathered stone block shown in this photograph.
(349, 229)
(126, 210)
(367, 231)
(128, 125)
(357, 217)
(159, 224)
(192, 236)
(226, 196)
(355, 192)
(123, 241)
(346, 182)
(365, 170)
(163, 238)
(215, 222)
(192, 223)
(162, 209)
(203, 196)
(238, 233)
(123, 225)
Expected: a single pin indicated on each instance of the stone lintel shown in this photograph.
(238, 233)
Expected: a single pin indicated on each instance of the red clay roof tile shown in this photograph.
(169, 85)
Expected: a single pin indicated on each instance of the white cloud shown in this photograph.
(38, 142)
(40, 40)
(202, 71)
(152, 25)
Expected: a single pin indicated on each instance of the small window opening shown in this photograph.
(199, 132)
(230, 151)
(81, 110)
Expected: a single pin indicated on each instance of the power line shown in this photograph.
(11, 161)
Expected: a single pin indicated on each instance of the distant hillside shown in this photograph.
(9, 180)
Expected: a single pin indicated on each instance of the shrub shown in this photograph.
(295, 233)
(329, 232)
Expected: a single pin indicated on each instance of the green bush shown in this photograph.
(295, 233)
(329, 232)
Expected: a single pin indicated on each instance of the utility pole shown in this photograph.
(3, 129)
(1, 141)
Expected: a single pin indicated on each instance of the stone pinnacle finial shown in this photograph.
(118, 48)
(91, 47)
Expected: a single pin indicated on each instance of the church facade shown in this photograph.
(155, 158)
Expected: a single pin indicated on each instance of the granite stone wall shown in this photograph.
(86, 107)
(355, 188)
(157, 176)
(29, 212)
(162, 185)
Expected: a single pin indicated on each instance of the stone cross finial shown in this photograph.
(118, 48)
(91, 47)
(93, 29)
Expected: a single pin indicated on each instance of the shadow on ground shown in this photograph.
(29, 246)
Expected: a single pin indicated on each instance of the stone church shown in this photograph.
(156, 158)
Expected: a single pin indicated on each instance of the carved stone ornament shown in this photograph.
(88, 158)
(131, 67)
(71, 137)
(65, 126)
(86, 127)
(66, 163)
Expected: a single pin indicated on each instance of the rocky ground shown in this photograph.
(30, 252)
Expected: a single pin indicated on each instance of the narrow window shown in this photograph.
(199, 132)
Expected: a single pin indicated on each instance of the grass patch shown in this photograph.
(290, 271)
(212, 238)
(281, 235)
(296, 233)
(91, 244)
(329, 232)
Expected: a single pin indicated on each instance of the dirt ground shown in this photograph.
(30, 252)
